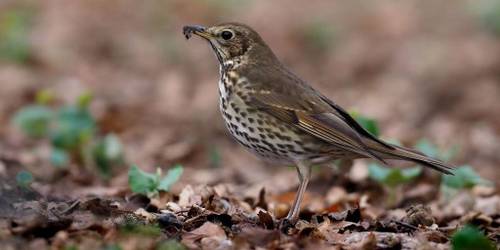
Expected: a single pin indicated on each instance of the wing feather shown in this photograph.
(321, 124)
(283, 95)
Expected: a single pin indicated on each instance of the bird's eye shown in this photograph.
(226, 34)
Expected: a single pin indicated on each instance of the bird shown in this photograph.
(279, 117)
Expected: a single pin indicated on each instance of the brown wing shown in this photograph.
(312, 115)
(355, 125)
(285, 96)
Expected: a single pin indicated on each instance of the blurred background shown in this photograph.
(421, 69)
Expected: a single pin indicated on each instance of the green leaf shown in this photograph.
(107, 153)
(367, 123)
(411, 173)
(450, 153)
(24, 178)
(464, 177)
(398, 176)
(470, 238)
(59, 157)
(378, 173)
(34, 120)
(430, 149)
(393, 176)
(84, 100)
(73, 128)
(44, 97)
(142, 182)
(426, 147)
(172, 177)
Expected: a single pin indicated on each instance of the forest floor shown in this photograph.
(88, 90)
(341, 211)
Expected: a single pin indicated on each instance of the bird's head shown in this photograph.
(232, 40)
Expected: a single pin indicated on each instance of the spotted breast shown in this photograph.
(259, 132)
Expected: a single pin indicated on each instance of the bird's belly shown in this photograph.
(265, 135)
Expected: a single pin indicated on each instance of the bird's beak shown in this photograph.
(199, 30)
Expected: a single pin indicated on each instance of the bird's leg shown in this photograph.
(304, 172)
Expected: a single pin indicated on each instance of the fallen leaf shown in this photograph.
(188, 197)
(208, 229)
(265, 219)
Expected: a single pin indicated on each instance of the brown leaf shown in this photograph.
(352, 215)
(489, 205)
(193, 238)
(266, 219)
(34, 218)
(216, 242)
(258, 236)
(188, 197)
(435, 236)
(198, 195)
(369, 242)
(262, 199)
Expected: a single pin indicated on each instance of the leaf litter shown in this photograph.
(216, 217)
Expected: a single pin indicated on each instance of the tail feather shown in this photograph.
(407, 154)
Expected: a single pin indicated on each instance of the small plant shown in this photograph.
(431, 150)
(367, 123)
(107, 152)
(392, 179)
(465, 177)
(151, 184)
(34, 120)
(72, 131)
(471, 238)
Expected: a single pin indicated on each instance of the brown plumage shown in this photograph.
(279, 117)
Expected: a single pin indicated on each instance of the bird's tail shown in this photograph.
(407, 154)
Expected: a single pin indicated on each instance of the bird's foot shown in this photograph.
(287, 226)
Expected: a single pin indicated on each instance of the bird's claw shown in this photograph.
(286, 226)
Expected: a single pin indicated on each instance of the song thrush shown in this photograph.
(279, 117)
